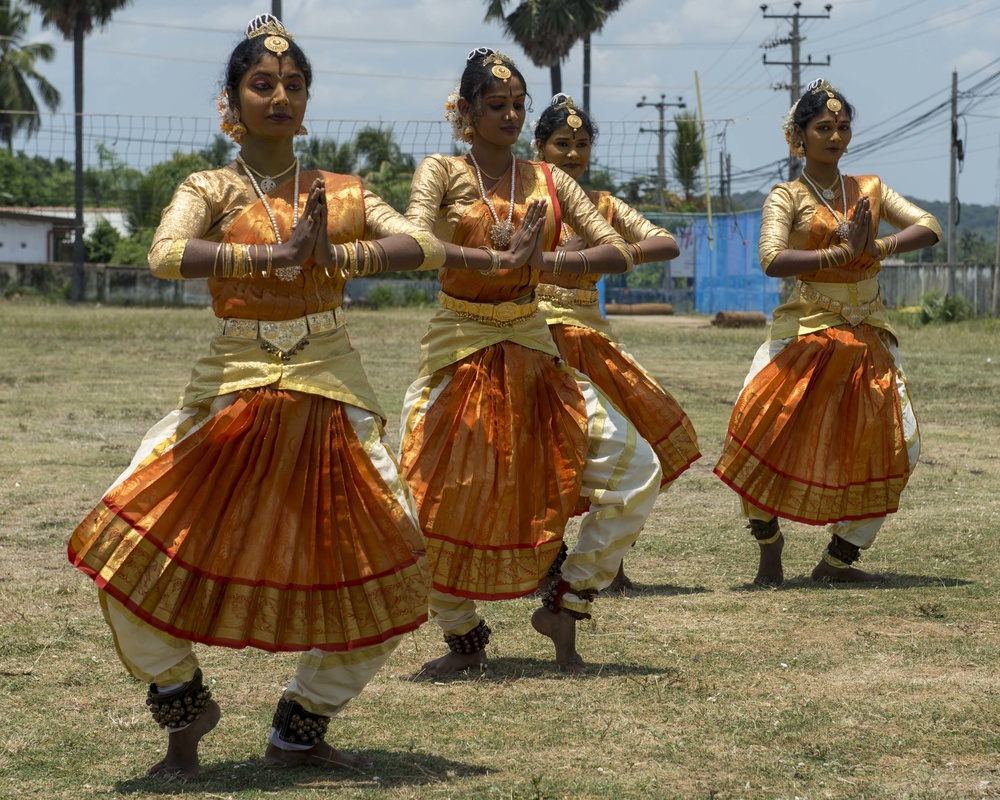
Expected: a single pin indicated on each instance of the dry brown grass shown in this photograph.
(701, 686)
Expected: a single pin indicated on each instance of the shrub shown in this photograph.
(381, 296)
(938, 308)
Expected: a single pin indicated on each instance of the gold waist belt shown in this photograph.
(853, 314)
(500, 314)
(283, 337)
(562, 296)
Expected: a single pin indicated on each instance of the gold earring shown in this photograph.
(468, 134)
(302, 131)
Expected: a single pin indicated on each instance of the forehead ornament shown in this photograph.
(572, 118)
(499, 66)
(269, 26)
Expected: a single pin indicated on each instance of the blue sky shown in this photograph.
(394, 60)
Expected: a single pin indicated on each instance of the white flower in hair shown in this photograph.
(454, 116)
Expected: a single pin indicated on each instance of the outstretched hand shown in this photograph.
(526, 243)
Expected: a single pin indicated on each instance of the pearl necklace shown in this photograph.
(281, 273)
(843, 226)
(269, 182)
(500, 231)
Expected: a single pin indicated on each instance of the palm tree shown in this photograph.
(547, 29)
(18, 106)
(687, 154)
(75, 19)
(610, 7)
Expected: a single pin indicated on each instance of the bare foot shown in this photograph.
(824, 573)
(182, 746)
(621, 584)
(319, 755)
(561, 629)
(452, 662)
(770, 572)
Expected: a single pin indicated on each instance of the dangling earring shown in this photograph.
(845, 151)
(302, 131)
(469, 133)
(798, 149)
(239, 129)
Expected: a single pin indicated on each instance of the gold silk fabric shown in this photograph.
(445, 200)
(817, 434)
(793, 218)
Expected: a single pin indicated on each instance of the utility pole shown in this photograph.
(276, 8)
(661, 160)
(794, 39)
(955, 156)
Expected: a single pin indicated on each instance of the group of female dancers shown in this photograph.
(268, 511)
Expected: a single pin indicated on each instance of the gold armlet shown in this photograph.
(171, 269)
(432, 248)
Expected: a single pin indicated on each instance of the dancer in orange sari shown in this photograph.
(824, 430)
(500, 436)
(563, 137)
(267, 510)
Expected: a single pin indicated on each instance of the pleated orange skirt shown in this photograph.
(495, 463)
(817, 435)
(656, 415)
(268, 526)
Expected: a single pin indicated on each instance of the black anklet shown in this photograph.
(552, 600)
(471, 642)
(180, 707)
(295, 725)
(762, 531)
(843, 550)
(560, 559)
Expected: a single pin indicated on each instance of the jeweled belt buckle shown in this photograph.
(506, 311)
(283, 338)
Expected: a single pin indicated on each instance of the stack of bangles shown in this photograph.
(635, 252)
(836, 256)
(494, 266)
(357, 260)
(560, 262)
(887, 246)
(237, 263)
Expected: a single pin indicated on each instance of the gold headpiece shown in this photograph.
(565, 101)
(270, 26)
(499, 69)
(822, 85)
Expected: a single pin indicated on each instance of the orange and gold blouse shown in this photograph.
(793, 218)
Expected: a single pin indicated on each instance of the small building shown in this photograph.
(44, 234)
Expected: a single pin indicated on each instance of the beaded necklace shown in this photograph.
(281, 273)
(500, 231)
(843, 226)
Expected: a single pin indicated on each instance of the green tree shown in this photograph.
(219, 152)
(319, 153)
(383, 166)
(547, 29)
(74, 19)
(102, 242)
(687, 154)
(18, 104)
(153, 191)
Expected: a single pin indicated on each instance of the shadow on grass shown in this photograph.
(893, 580)
(390, 769)
(505, 670)
(654, 589)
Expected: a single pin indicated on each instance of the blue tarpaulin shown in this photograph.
(728, 276)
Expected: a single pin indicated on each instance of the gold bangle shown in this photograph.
(586, 262)
(215, 261)
(560, 262)
(464, 260)
(494, 267)
(636, 253)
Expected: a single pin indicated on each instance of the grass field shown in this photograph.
(701, 686)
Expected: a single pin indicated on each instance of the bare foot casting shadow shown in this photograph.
(390, 768)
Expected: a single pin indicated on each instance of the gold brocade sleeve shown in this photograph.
(901, 213)
(632, 225)
(383, 220)
(582, 215)
(201, 208)
(430, 182)
(776, 221)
